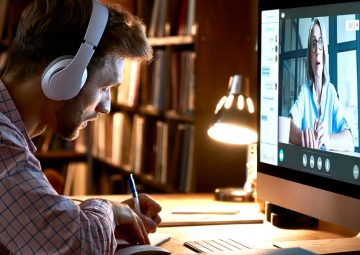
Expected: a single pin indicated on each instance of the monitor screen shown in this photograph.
(309, 84)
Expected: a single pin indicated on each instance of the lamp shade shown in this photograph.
(235, 117)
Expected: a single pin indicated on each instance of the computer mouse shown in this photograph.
(142, 250)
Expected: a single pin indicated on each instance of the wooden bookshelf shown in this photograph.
(145, 105)
(224, 44)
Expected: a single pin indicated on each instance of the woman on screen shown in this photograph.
(317, 117)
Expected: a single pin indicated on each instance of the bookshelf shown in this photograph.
(223, 44)
(151, 125)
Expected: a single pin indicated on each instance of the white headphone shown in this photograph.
(66, 75)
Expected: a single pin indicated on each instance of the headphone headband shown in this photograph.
(65, 76)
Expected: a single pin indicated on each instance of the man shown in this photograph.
(34, 218)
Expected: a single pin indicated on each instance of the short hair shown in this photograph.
(310, 73)
(49, 29)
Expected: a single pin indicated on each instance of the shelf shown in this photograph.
(151, 111)
(171, 40)
(172, 115)
(146, 180)
(63, 155)
(123, 108)
(169, 115)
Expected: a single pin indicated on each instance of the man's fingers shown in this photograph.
(142, 233)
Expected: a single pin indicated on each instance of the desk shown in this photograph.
(261, 235)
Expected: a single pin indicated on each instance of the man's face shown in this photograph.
(73, 115)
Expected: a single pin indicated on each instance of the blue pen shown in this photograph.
(134, 192)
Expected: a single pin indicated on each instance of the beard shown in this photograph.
(69, 130)
(69, 122)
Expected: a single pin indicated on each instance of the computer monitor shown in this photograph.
(313, 84)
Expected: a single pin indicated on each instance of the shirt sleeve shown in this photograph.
(35, 219)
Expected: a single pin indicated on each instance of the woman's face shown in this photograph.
(317, 50)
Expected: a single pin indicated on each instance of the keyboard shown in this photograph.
(216, 245)
(228, 245)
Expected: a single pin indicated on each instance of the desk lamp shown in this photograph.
(235, 123)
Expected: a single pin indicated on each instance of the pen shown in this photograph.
(133, 191)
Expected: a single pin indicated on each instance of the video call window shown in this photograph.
(342, 34)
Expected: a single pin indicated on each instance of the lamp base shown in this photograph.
(234, 194)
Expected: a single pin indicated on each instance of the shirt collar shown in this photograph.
(8, 108)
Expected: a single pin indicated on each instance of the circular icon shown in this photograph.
(356, 172)
(281, 155)
(319, 163)
(304, 160)
(312, 161)
(327, 165)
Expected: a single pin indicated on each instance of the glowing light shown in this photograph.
(220, 104)
(240, 102)
(250, 105)
(232, 134)
(229, 101)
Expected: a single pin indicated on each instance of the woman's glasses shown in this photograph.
(317, 44)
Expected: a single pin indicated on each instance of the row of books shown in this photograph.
(146, 146)
(172, 18)
(168, 83)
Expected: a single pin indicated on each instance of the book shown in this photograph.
(190, 18)
(128, 92)
(187, 83)
(118, 129)
(76, 179)
(154, 18)
(137, 144)
(173, 174)
(174, 80)
(158, 19)
(159, 80)
(186, 23)
(159, 127)
(182, 17)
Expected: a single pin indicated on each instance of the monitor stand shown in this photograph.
(285, 218)
(346, 246)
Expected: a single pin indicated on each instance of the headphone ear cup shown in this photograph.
(55, 81)
(54, 67)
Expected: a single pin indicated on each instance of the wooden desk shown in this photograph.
(260, 235)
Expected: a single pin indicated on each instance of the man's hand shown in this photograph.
(129, 226)
(133, 226)
(149, 212)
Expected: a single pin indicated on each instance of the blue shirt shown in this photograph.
(304, 112)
